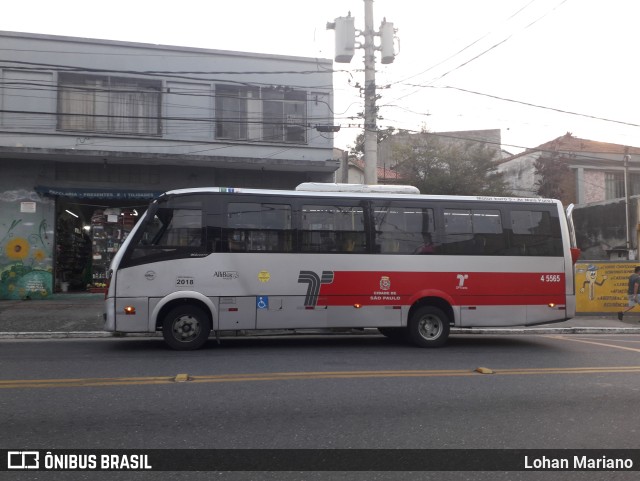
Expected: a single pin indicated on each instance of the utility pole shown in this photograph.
(345, 45)
(370, 113)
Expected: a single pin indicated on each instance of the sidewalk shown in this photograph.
(80, 315)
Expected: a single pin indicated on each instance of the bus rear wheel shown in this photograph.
(428, 327)
(186, 328)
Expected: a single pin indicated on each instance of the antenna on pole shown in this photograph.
(344, 51)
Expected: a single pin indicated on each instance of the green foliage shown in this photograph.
(554, 177)
(358, 149)
(449, 168)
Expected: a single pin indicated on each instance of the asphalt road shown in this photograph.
(537, 392)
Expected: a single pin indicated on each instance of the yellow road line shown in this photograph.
(300, 376)
(571, 370)
(85, 382)
(608, 338)
(624, 348)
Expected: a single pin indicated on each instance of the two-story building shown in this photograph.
(595, 169)
(91, 130)
(601, 179)
(593, 179)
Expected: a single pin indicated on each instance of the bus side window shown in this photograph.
(458, 232)
(259, 227)
(184, 229)
(473, 232)
(488, 235)
(404, 230)
(535, 233)
(332, 228)
(215, 240)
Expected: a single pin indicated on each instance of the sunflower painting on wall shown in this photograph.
(26, 270)
(17, 248)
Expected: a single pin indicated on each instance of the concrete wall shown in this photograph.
(519, 173)
(593, 186)
(601, 287)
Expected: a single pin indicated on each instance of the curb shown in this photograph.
(543, 330)
(73, 335)
(492, 331)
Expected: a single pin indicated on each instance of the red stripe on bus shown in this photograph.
(464, 288)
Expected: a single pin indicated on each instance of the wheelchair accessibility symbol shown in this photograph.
(262, 302)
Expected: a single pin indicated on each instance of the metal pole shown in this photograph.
(626, 199)
(370, 114)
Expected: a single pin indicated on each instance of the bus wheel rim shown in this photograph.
(186, 328)
(430, 327)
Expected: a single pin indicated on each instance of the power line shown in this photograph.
(462, 49)
(499, 43)
(37, 66)
(492, 47)
(528, 104)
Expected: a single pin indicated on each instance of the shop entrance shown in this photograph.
(88, 234)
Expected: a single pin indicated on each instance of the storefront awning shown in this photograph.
(105, 194)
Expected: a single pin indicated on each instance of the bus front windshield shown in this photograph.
(171, 229)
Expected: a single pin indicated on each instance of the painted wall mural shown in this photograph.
(26, 245)
(601, 286)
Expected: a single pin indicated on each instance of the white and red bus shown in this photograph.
(206, 260)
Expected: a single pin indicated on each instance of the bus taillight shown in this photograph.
(575, 254)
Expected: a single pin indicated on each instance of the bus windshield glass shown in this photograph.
(171, 229)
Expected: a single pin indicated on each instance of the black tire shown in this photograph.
(428, 327)
(186, 328)
(394, 333)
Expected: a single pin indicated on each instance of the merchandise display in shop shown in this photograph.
(109, 228)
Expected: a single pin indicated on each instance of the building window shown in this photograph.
(238, 113)
(113, 105)
(267, 115)
(285, 114)
(634, 184)
(613, 185)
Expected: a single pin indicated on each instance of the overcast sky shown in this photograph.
(462, 64)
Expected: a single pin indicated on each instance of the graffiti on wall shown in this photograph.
(602, 286)
(26, 246)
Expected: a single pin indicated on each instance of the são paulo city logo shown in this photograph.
(385, 293)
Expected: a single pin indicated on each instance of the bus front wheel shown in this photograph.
(186, 328)
(428, 327)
